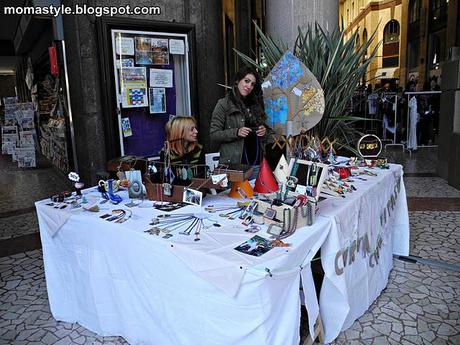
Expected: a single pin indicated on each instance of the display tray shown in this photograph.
(305, 214)
(155, 190)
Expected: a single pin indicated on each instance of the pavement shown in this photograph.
(421, 304)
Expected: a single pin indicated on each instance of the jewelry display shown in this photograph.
(229, 211)
(188, 223)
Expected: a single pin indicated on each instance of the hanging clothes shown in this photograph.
(413, 119)
(372, 102)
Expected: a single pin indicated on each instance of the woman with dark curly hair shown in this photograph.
(238, 124)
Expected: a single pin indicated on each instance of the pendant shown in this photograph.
(184, 173)
(169, 175)
(189, 174)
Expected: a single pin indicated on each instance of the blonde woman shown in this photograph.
(182, 136)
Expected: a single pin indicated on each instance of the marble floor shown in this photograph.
(421, 304)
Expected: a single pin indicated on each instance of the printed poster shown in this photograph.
(133, 87)
(157, 100)
(152, 51)
(144, 51)
(124, 45)
(161, 77)
(160, 51)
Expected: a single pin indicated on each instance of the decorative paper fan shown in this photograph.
(294, 99)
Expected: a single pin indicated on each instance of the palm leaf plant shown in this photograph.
(337, 64)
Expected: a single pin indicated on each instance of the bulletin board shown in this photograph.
(152, 84)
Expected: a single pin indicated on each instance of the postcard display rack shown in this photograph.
(151, 72)
(18, 132)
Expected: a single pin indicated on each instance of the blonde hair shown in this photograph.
(175, 130)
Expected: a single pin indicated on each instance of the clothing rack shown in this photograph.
(395, 112)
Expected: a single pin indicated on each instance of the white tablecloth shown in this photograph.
(355, 270)
(114, 279)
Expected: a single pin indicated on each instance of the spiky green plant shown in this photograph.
(337, 65)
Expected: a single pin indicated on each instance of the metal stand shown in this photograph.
(394, 143)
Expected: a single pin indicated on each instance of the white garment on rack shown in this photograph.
(387, 126)
(372, 101)
(413, 119)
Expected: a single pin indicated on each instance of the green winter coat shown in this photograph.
(226, 119)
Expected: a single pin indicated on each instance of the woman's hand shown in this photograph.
(243, 132)
(261, 131)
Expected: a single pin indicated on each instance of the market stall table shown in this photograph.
(115, 279)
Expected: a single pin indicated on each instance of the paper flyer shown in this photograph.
(176, 47)
(160, 51)
(126, 127)
(157, 100)
(161, 77)
(124, 45)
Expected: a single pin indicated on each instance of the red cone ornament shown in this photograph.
(265, 182)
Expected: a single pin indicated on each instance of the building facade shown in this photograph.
(431, 28)
(85, 89)
(384, 19)
(414, 36)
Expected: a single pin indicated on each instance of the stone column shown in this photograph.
(283, 17)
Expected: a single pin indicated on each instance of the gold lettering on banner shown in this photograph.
(370, 260)
(367, 245)
(344, 257)
(352, 252)
(338, 270)
(348, 255)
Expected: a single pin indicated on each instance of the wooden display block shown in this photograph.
(155, 190)
(235, 173)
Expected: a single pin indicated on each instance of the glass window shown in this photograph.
(413, 54)
(437, 48)
(365, 40)
(391, 32)
(414, 11)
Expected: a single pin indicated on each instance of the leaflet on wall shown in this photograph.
(126, 127)
(161, 77)
(124, 45)
(160, 51)
(157, 100)
(133, 87)
(176, 47)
